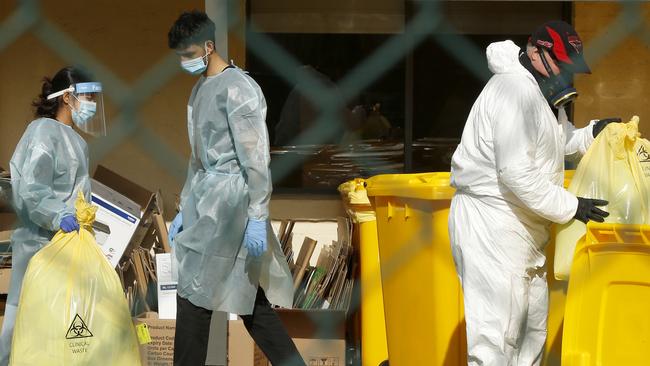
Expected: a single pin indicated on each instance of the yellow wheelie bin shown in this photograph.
(422, 294)
(607, 316)
(557, 290)
(374, 350)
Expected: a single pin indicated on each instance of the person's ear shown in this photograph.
(66, 98)
(209, 45)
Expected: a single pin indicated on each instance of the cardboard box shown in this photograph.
(5, 237)
(8, 222)
(160, 352)
(321, 352)
(167, 283)
(241, 348)
(145, 199)
(132, 191)
(5, 280)
(5, 192)
(116, 219)
(319, 336)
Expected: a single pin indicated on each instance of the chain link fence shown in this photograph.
(427, 24)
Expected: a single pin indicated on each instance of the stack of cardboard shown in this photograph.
(144, 265)
(286, 239)
(7, 216)
(139, 234)
(5, 280)
(5, 191)
(328, 284)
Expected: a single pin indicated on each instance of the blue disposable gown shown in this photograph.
(48, 168)
(228, 182)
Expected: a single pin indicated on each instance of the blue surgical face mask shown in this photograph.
(84, 113)
(197, 65)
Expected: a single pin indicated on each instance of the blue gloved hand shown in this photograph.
(255, 237)
(69, 224)
(175, 228)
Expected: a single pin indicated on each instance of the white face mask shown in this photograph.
(197, 65)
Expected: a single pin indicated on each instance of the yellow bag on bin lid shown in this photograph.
(616, 168)
(72, 309)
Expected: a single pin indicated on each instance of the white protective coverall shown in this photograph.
(508, 171)
(49, 167)
(228, 182)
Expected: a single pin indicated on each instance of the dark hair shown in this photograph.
(193, 27)
(62, 80)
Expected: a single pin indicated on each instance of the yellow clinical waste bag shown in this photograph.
(72, 310)
(616, 168)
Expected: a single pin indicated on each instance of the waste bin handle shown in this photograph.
(620, 233)
(645, 233)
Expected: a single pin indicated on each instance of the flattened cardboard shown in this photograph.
(116, 220)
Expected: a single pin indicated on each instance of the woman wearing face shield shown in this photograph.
(48, 169)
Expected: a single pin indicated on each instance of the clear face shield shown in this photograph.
(87, 106)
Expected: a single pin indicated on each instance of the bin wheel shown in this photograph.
(384, 363)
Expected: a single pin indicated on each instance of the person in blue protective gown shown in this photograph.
(228, 256)
(48, 169)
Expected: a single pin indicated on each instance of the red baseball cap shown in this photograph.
(564, 44)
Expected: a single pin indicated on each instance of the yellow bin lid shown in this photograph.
(426, 186)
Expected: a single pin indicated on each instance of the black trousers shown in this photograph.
(264, 326)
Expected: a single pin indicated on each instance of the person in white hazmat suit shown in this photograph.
(508, 172)
(229, 259)
(48, 169)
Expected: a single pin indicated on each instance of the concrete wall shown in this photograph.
(128, 37)
(619, 85)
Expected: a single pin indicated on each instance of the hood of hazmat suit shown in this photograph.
(228, 182)
(508, 172)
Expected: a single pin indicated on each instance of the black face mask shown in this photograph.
(557, 89)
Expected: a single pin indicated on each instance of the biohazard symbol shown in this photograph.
(78, 329)
(644, 157)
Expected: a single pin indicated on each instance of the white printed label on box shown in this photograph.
(113, 228)
(167, 285)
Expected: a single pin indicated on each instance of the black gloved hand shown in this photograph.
(602, 123)
(587, 210)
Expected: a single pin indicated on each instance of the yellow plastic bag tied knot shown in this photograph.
(621, 137)
(356, 201)
(85, 212)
